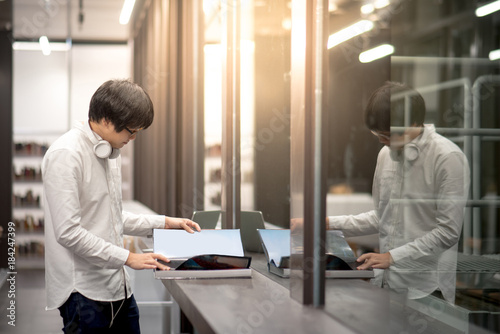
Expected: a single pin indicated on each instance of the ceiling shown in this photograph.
(99, 20)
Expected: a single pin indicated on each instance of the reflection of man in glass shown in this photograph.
(419, 190)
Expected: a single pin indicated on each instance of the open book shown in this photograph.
(339, 257)
(205, 254)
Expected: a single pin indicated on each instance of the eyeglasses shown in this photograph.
(380, 135)
(132, 132)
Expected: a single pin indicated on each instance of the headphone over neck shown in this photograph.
(410, 152)
(102, 148)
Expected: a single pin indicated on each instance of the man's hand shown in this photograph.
(374, 260)
(146, 261)
(186, 224)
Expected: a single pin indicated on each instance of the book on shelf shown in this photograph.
(340, 261)
(205, 254)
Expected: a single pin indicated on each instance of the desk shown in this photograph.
(256, 305)
(262, 304)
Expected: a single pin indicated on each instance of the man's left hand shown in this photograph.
(375, 260)
(182, 223)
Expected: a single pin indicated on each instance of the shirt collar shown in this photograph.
(421, 140)
(84, 126)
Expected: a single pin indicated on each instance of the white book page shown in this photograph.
(181, 244)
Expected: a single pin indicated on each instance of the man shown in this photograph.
(84, 254)
(420, 187)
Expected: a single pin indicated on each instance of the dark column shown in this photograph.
(272, 128)
(308, 150)
(5, 124)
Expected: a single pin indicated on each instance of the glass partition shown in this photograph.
(264, 105)
(268, 145)
(413, 160)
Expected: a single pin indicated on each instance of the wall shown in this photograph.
(50, 92)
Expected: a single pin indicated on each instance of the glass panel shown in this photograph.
(420, 198)
(247, 106)
(264, 108)
(213, 104)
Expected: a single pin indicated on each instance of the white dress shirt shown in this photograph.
(419, 208)
(84, 222)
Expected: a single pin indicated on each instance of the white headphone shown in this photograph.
(409, 153)
(102, 148)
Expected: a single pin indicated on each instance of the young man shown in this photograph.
(84, 254)
(420, 188)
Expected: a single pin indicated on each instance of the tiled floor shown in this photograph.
(31, 316)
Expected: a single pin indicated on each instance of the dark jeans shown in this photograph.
(82, 315)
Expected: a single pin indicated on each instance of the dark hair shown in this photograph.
(386, 107)
(123, 103)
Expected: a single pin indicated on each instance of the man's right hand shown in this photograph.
(147, 261)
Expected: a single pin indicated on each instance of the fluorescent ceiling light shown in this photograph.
(367, 9)
(376, 53)
(377, 4)
(44, 45)
(494, 55)
(128, 7)
(33, 46)
(381, 3)
(488, 9)
(347, 33)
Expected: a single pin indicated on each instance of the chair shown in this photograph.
(251, 221)
(206, 219)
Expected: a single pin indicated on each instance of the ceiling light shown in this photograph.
(488, 9)
(332, 6)
(347, 33)
(367, 9)
(376, 53)
(44, 45)
(494, 55)
(128, 7)
(381, 3)
(32, 46)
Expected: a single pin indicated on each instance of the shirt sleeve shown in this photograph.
(355, 225)
(452, 186)
(61, 178)
(141, 225)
